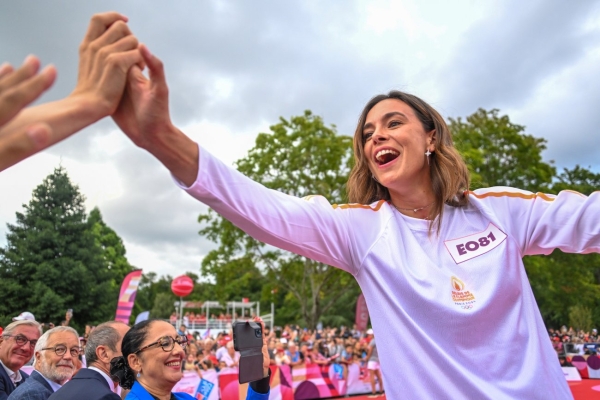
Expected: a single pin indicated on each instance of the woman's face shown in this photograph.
(158, 367)
(395, 144)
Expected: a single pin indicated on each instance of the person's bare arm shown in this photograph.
(18, 89)
(369, 352)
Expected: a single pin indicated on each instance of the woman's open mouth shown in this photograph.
(386, 156)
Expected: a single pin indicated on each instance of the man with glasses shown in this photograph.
(16, 349)
(95, 382)
(55, 354)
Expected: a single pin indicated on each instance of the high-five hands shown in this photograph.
(106, 55)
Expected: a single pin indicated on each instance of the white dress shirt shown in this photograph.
(15, 377)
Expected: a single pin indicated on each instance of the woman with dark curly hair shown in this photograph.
(151, 364)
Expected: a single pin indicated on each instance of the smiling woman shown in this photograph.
(151, 363)
(450, 291)
(404, 154)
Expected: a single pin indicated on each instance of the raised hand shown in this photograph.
(18, 89)
(143, 115)
(265, 348)
(106, 55)
(144, 110)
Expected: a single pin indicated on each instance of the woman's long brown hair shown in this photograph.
(448, 171)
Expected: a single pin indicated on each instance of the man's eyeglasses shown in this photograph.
(60, 350)
(22, 340)
(167, 343)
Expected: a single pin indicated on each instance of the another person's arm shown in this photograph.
(18, 89)
(105, 56)
(369, 352)
(259, 390)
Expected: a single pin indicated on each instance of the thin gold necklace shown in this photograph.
(412, 209)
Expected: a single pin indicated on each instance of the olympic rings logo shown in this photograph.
(467, 306)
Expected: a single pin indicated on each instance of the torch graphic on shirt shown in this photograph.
(461, 297)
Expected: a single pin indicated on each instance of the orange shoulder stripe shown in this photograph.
(531, 196)
(356, 205)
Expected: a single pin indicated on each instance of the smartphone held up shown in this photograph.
(248, 340)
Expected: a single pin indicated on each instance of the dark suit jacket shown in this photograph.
(6, 385)
(86, 384)
(34, 388)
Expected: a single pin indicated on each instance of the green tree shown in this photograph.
(499, 153)
(113, 252)
(580, 318)
(299, 157)
(51, 261)
(163, 305)
(579, 179)
(149, 288)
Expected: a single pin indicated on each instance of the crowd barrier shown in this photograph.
(301, 382)
(587, 366)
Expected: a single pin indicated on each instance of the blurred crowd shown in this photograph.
(292, 346)
(572, 341)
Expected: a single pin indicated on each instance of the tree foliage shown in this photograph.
(53, 261)
(113, 251)
(299, 157)
(580, 318)
(499, 153)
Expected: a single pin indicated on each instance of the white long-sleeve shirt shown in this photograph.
(454, 314)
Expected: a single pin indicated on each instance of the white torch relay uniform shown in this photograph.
(454, 314)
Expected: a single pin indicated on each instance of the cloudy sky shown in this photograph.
(234, 67)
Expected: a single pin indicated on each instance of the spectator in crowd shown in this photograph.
(209, 353)
(372, 359)
(151, 363)
(17, 342)
(346, 359)
(55, 352)
(189, 363)
(317, 357)
(95, 382)
(106, 54)
(231, 358)
(222, 346)
(294, 356)
(24, 316)
(182, 331)
(281, 358)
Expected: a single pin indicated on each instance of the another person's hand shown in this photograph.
(265, 348)
(18, 89)
(106, 54)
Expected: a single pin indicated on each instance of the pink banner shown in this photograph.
(127, 296)
(362, 314)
